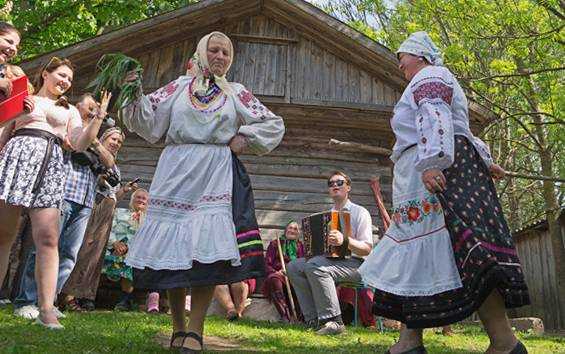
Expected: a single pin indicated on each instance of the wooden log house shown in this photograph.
(324, 78)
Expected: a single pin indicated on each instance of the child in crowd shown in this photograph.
(125, 224)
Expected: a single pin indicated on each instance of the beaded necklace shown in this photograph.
(206, 103)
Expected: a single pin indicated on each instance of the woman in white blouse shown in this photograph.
(448, 251)
(32, 175)
(200, 229)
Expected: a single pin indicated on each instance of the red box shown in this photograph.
(13, 106)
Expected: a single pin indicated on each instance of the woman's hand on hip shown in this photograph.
(238, 144)
(434, 180)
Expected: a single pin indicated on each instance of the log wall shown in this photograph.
(538, 261)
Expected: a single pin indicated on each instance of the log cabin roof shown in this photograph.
(302, 18)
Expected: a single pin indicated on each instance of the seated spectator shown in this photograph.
(233, 297)
(274, 287)
(125, 224)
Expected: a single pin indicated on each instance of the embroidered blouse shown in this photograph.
(172, 111)
(432, 110)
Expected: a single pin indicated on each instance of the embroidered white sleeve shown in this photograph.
(150, 116)
(483, 150)
(263, 129)
(432, 97)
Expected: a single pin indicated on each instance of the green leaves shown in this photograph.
(113, 70)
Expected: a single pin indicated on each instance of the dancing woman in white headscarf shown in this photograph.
(200, 229)
(448, 251)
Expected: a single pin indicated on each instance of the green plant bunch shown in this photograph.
(113, 69)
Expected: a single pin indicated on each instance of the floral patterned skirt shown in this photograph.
(481, 249)
(20, 164)
(115, 267)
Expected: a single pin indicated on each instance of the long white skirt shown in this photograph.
(189, 217)
(415, 256)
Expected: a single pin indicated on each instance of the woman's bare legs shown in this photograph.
(409, 339)
(223, 296)
(45, 232)
(201, 298)
(493, 316)
(240, 292)
(9, 224)
(126, 285)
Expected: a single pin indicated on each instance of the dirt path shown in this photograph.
(211, 343)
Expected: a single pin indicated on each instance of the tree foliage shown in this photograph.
(51, 24)
(508, 54)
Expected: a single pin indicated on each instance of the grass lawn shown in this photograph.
(135, 332)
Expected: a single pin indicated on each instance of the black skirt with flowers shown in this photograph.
(484, 252)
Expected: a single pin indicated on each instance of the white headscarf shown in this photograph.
(198, 66)
(420, 44)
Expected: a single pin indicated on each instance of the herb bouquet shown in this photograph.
(113, 69)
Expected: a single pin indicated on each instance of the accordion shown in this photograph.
(316, 229)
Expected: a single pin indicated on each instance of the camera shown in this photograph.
(109, 176)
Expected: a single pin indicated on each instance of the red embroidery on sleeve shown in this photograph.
(162, 94)
(433, 90)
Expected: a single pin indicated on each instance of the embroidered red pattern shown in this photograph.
(162, 94)
(258, 110)
(433, 90)
(163, 203)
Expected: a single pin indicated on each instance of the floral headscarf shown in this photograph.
(199, 68)
(420, 44)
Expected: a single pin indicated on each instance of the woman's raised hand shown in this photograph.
(103, 110)
(131, 76)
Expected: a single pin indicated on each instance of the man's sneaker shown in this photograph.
(29, 312)
(87, 304)
(124, 305)
(4, 302)
(331, 328)
(58, 313)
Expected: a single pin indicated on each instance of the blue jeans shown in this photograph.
(74, 218)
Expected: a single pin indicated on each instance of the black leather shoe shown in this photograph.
(519, 349)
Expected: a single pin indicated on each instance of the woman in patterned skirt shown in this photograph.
(32, 175)
(448, 252)
(200, 230)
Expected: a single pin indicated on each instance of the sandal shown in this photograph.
(179, 334)
(198, 338)
(519, 349)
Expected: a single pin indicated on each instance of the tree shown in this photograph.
(508, 55)
(51, 24)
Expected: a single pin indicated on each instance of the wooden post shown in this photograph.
(376, 187)
(287, 283)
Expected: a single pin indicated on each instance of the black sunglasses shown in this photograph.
(337, 183)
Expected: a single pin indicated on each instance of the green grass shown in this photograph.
(134, 332)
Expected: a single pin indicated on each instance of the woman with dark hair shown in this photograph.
(274, 287)
(200, 230)
(448, 251)
(32, 176)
